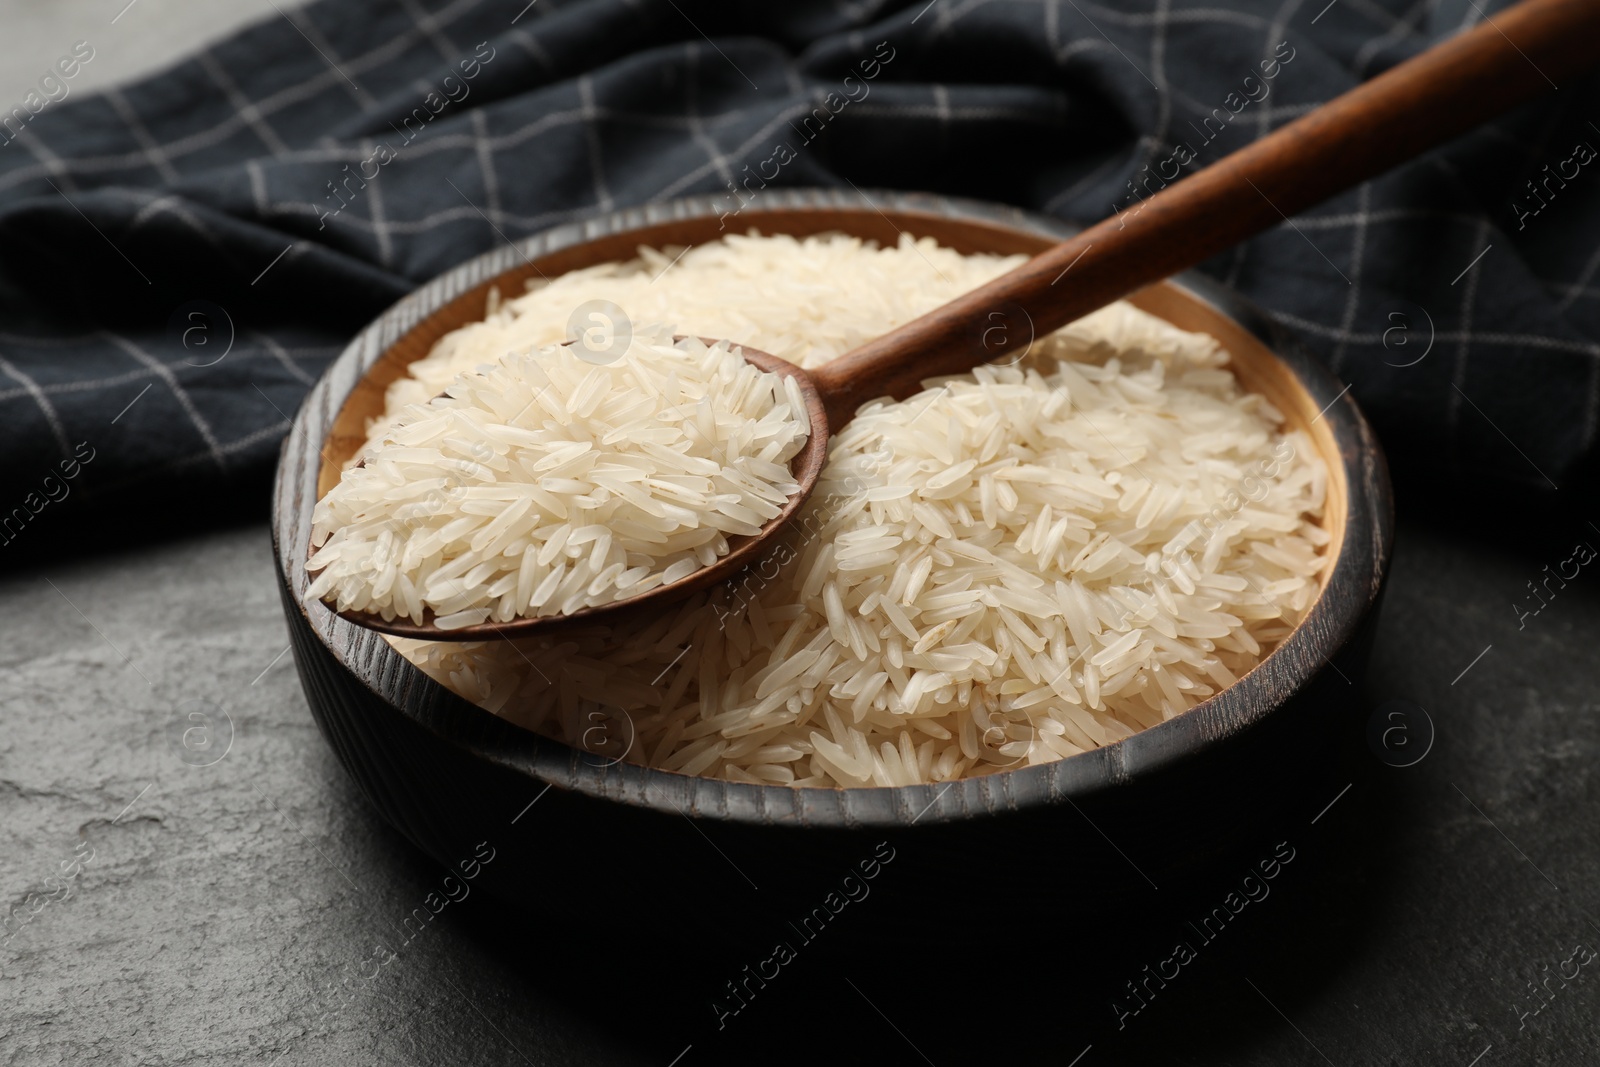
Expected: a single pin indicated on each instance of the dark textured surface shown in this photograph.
(229, 915)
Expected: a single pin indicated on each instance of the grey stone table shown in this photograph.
(217, 898)
(188, 877)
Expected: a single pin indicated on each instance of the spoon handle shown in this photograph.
(1510, 58)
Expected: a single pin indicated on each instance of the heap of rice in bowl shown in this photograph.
(1013, 566)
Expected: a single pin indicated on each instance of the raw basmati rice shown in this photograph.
(1014, 566)
(546, 483)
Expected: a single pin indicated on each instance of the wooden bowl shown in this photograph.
(1217, 779)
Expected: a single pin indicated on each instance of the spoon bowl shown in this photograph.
(806, 466)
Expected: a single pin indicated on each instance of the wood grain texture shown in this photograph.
(1418, 105)
(361, 688)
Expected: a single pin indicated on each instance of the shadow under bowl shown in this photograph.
(574, 833)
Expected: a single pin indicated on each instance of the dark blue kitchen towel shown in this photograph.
(180, 257)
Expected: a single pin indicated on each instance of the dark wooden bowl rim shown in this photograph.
(1349, 592)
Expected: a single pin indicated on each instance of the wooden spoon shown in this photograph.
(1510, 58)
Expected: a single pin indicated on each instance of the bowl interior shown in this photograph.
(360, 683)
(1254, 364)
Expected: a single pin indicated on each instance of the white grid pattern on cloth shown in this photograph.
(170, 380)
(1357, 260)
(380, 224)
(1480, 244)
(31, 388)
(448, 50)
(284, 98)
(152, 151)
(1406, 26)
(591, 137)
(1187, 16)
(242, 105)
(760, 137)
(55, 168)
(697, 126)
(308, 29)
(1493, 340)
(1275, 33)
(1591, 402)
(283, 356)
(148, 371)
(1582, 282)
(1376, 14)
(170, 205)
(724, 129)
(258, 187)
(946, 112)
(1571, 292)
(532, 46)
(485, 155)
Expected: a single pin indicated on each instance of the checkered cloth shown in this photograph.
(182, 256)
